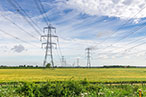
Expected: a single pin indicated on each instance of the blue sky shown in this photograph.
(108, 27)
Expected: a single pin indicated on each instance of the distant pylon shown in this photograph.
(49, 45)
(78, 62)
(88, 51)
(73, 65)
(63, 61)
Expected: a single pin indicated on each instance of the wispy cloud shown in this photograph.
(120, 8)
(80, 24)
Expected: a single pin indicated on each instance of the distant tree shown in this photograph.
(48, 65)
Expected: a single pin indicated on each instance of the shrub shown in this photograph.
(48, 65)
(77, 88)
(29, 89)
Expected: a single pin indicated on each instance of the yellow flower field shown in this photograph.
(64, 74)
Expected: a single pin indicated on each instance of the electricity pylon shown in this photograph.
(49, 44)
(63, 61)
(73, 65)
(88, 51)
(78, 62)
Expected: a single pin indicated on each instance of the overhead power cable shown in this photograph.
(42, 10)
(136, 40)
(126, 37)
(21, 11)
(59, 48)
(19, 27)
(121, 26)
(130, 48)
(58, 55)
(133, 32)
(135, 46)
(17, 38)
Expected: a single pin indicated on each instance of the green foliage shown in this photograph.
(29, 89)
(85, 82)
(48, 65)
(56, 89)
(70, 89)
(74, 87)
(8, 91)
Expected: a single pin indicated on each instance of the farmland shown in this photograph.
(65, 74)
(73, 82)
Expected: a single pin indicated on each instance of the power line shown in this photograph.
(126, 37)
(59, 55)
(41, 10)
(23, 14)
(17, 38)
(135, 46)
(59, 47)
(136, 40)
(17, 4)
(58, 44)
(131, 33)
(58, 50)
(130, 48)
(139, 52)
(121, 26)
(19, 27)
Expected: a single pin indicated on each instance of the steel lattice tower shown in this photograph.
(88, 51)
(63, 61)
(49, 44)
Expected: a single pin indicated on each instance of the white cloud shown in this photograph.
(18, 48)
(71, 28)
(115, 8)
(136, 21)
(104, 33)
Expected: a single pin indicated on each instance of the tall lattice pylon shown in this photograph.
(88, 51)
(49, 44)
